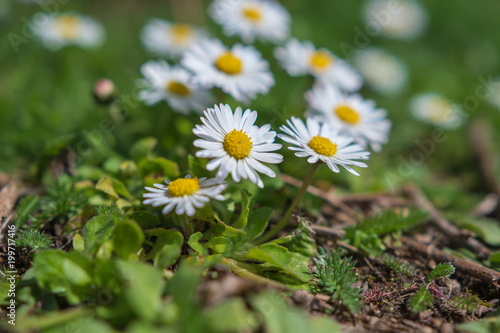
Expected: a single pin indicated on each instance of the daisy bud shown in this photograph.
(104, 91)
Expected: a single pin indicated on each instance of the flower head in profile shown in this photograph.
(382, 71)
(173, 85)
(437, 110)
(350, 115)
(251, 19)
(170, 39)
(404, 19)
(319, 142)
(236, 145)
(239, 71)
(302, 58)
(184, 194)
(66, 29)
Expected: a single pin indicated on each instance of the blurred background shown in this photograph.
(451, 49)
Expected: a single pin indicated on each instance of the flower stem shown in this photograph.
(298, 198)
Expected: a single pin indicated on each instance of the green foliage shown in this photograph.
(441, 270)
(33, 239)
(280, 318)
(25, 208)
(335, 276)
(421, 300)
(387, 222)
(468, 302)
(399, 265)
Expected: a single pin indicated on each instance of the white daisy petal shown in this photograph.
(243, 75)
(184, 194)
(324, 144)
(242, 146)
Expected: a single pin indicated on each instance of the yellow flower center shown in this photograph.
(181, 33)
(68, 26)
(323, 146)
(347, 114)
(183, 186)
(321, 60)
(252, 14)
(237, 144)
(177, 88)
(229, 63)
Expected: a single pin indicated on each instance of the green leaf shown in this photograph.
(399, 266)
(159, 165)
(127, 238)
(26, 207)
(257, 222)
(105, 184)
(220, 244)
(48, 270)
(166, 237)
(232, 315)
(77, 268)
(280, 318)
(78, 243)
(487, 229)
(272, 254)
(142, 148)
(167, 255)
(443, 269)
(246, 207)
(144, 289)
(421, 300)
(184, 286)
(97, 231)
(194, 243)
(145, 219)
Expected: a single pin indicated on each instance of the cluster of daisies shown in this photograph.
(340, 125)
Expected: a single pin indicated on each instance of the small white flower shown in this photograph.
(351, 115)
(303, 58)
(236, 145)
(173, 85)
(251, 19)
(170, 39)
(319, 142)
(437, 110)
(402, 19)
(58, 31)
(184, 194)
(382, 71)
(239, 71)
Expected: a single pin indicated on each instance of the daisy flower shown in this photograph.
(251, 19)
(239, 71)
(437, 110)
(60, 30)
(404, 19)
(184, 194)
(237, 146)
(170, 39)
(319, 142)
(382, 71)
(351, 115)
(173, 85)
(302, 58)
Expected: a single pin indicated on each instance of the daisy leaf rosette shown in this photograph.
(184, 194)
(236, 145)
(252, 19)
(319, 142)
(66, 29)
(170, 39)
(350, 115)
(302, 58)
(173, 85)
(239, 71)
